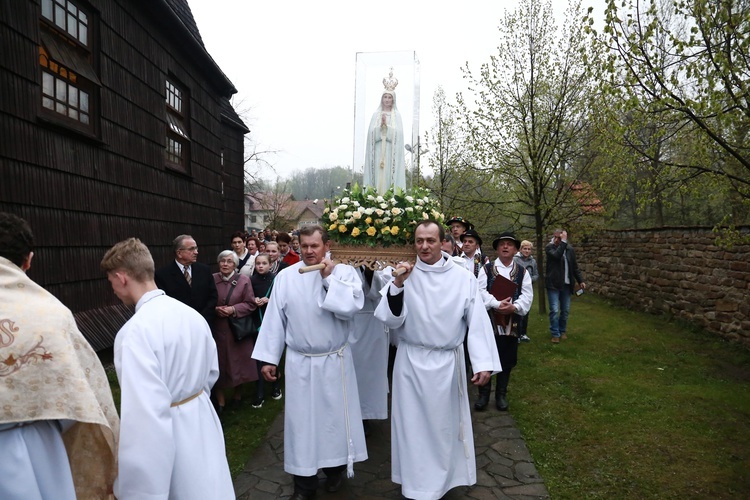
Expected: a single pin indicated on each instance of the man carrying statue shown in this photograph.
(429, 309)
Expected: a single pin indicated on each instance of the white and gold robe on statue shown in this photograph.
(58, 423)
(431, 434)
(311, 317)
(171, 441)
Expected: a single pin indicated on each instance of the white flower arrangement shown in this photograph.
(379, 220)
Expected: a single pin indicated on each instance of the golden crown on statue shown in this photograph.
(390, 83)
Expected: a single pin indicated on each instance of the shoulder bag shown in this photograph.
(245, 327)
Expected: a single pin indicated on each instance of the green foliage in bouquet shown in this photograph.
(363, 217)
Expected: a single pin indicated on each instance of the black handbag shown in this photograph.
(246, 326)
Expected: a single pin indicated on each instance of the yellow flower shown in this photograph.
(332, 226)
(394, 230)
(342, 228)
(368, 220)
(371, 231)
(386, 230)
(355, 232)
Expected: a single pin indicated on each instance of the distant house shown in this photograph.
(280, 211)
(307, 212)
(115, 122)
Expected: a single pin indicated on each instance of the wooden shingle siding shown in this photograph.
(83, 193)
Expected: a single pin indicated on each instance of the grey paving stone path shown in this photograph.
(505, 469)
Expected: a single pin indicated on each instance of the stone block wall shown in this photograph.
(679, 272)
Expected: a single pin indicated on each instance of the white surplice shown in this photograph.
(312, 318)
(369, 343)
(164, 355)
(431, 434)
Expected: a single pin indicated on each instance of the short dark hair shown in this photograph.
(284, 237)
(239, 234)
(16, 238)
(427, 222)
(310, 230)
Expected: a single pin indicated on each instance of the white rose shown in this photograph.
(355, 203)
(370, 197)
(410, 199)
(356, 215)
(384, 205)
(343, 207)
(369, 211)
(420, 202)
(348, 214)
(334, 215)
(379, 212)
(345, 200)
(409, 209)
(379, 199)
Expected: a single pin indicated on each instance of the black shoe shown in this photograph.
(276, 394)
(502, 403)
(333, 483)
(258, 403)
(482, 402)
(298, 495)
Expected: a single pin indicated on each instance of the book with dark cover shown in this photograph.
(502, 288)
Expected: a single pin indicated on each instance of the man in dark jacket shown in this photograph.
(187, 280)
(562, 273)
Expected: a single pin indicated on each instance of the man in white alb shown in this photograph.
(171, 441)
(429, 309)
(310, 314)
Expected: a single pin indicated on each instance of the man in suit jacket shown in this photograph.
(187, 280)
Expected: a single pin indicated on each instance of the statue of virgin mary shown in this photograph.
(384, 151)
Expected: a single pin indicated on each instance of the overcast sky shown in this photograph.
(294, 64)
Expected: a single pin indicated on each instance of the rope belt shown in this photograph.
(350, 444)
(462, 387)
(186, 400)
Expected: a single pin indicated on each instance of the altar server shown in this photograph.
(429, 309)
(171, 441)
(310, 315)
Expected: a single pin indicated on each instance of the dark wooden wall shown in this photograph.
(81, 195)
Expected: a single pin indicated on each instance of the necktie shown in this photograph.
(187, 276)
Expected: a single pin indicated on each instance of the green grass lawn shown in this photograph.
(633, 406)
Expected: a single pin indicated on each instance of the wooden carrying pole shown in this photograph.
(318, 267)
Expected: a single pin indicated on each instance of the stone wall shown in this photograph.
(679, 272)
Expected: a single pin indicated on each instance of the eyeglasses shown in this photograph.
(191, 249)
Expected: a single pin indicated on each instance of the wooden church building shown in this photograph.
(114, 122)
